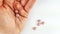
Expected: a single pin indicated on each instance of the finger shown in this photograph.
(23, 2)
(22, 12)
(29, 5)
(19, 0)
(9, 3)
(1, 2)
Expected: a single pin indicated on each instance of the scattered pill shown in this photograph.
(38, 20)
(34, 28)
(38, 24)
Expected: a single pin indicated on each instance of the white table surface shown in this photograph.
(48, 11)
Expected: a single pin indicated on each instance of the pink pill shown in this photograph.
(17, 15)
(34, 28)
(38, 20)
(38, 24)
(16, 11)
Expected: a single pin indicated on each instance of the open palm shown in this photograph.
(10, 21)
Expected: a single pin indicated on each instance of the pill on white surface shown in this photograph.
(38, 24)
(38, 20)
(34, 28)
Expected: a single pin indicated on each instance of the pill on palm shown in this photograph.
(16, 11)
(17, 15)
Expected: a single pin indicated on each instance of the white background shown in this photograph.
(48, 11)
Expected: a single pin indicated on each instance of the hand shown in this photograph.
(12, 22)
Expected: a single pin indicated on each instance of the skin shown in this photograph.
(9, 22)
